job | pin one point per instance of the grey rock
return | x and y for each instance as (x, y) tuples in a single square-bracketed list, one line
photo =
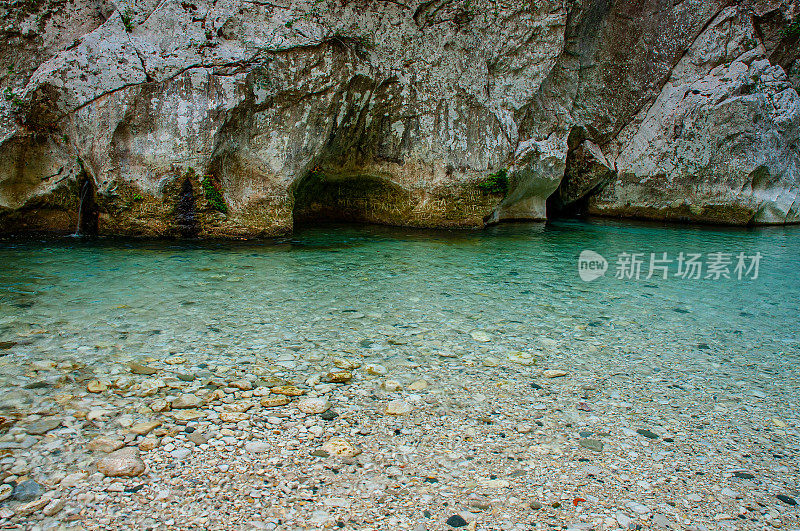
[(186, 401), (660, 521), (42, 426), (591, 444), (27, 491), (123, 462), (181, 453), (695, 154)]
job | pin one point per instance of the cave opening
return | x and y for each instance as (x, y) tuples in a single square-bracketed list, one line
[(556, 208), (88, 211), (351, 198), (586, 173)]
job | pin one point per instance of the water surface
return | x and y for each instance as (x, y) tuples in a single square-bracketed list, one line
[(399, 294)]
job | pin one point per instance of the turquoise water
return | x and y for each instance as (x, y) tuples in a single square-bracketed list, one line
[(400, 295)]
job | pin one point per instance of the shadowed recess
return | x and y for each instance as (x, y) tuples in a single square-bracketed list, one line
[(356, 198), (185, 210), (88, 212)]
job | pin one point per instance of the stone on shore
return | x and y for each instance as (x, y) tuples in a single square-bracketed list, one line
[(143, 428), (339, 447), (313, 406), (287, 390), (274, 401), (398, 407)]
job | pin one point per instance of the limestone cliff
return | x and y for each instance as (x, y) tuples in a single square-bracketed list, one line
[(243, 117)]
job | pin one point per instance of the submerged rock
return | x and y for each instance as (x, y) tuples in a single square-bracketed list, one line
[(346, 364), (124, 462), (42, 426), (313, 406), (339, 376), (27, 491), (375, 369), (480, 336), (138, 368), (105, 444), (591, 444), (646, 433), (456, 521), (96, 386)]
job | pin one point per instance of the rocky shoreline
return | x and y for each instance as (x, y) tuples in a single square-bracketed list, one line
[(474, 441)]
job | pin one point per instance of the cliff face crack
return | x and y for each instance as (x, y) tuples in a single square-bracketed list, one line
[(148, 77), (587, 172), (186, 211), (88, 212), (253, 61)]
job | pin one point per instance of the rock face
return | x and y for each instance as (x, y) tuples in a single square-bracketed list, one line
[(238, 117), (721, 143)]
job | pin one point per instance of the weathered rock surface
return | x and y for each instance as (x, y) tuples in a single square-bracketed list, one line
[(243, 118), (720, 143)]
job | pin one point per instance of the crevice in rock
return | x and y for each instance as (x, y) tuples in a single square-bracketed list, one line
[(186, 210), (774, 30), (587, 173), (88, 211)]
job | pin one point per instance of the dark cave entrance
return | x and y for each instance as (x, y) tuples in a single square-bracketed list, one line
[(186, 211), (88, 211), (586, 173), (322, 198), (556, 208)]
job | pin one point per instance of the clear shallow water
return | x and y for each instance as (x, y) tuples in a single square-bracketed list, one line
[(400, 295)]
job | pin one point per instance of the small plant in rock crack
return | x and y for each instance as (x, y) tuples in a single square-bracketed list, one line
[(359, 44), (213, 195), (127, 21), (12, 97), (495, 183)]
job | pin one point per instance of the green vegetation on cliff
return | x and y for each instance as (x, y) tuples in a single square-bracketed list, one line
[(213, 195), (495, 183)]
